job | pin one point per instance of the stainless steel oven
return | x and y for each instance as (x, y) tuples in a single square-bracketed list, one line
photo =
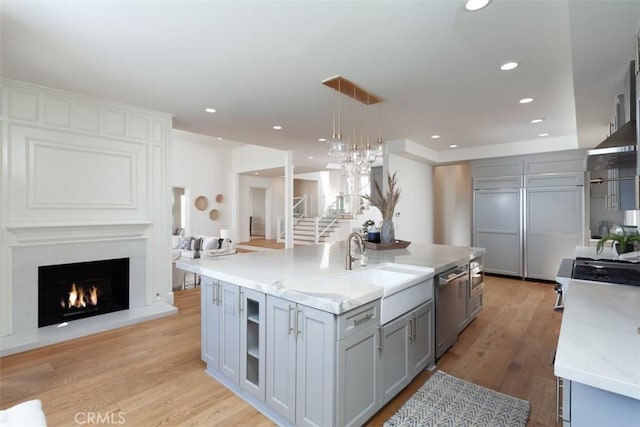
[(476, 276), (476, 286)]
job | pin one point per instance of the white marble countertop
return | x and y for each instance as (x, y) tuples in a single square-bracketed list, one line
[(309, 275), (599, 343)]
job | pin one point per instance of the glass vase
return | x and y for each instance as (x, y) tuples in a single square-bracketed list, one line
[(387, 232)]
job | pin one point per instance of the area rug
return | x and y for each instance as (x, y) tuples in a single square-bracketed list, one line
[(448, 401)]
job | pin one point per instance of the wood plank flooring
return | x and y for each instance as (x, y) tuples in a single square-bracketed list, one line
[(151, 374)]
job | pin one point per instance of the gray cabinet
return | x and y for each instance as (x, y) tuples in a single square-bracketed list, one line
[(300, 362), (406, 348), (585, 406), (220, 332), (210, 329), (252, 342), (357, 377), (394, 365), (421, 343), (281, 355), (307, 367)]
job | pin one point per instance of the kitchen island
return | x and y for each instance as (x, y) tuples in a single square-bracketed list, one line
[(598, 356), (301, 339)]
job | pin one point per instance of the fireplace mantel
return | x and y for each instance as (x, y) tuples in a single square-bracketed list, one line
[(86, 180), (61, 232)]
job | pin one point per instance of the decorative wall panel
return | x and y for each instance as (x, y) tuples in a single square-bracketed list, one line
[(81, 178), (87, 117), (55, 178), (114, 123), (57, 112), (22, 104), (139, 128)]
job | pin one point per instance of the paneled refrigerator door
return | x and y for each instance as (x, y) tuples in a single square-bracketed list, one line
[(498, 228), (554, 224)]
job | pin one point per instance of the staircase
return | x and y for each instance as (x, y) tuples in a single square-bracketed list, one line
[(304, 230)]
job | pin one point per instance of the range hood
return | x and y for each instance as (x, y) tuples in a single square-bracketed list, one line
[(618, 151)]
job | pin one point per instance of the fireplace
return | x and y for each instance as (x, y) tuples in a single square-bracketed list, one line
[(75, 291)]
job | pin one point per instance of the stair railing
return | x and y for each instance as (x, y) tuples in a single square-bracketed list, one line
[(328, 218), (299, 208)]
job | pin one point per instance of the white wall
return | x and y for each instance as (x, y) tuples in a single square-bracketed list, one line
[(453, 199), (414, 212), (200, 163)]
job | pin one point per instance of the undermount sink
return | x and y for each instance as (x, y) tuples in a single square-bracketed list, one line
[(405, 286)]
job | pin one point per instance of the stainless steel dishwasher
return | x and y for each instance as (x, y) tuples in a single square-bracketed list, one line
[(449, 299)]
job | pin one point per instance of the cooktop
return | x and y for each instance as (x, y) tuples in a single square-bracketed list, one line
[(610, 271)]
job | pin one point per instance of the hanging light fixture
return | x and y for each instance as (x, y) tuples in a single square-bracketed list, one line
[(335, 145), (355, 155)]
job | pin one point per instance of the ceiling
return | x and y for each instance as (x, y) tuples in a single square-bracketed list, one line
[(261, 63)]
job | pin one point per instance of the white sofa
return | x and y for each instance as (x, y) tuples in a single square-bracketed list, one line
[(204, 246)]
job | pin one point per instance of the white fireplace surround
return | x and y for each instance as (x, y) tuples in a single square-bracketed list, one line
[(26, 259), (82, 179)]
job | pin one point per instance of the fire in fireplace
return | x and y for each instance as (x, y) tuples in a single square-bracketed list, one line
[(74, 291)]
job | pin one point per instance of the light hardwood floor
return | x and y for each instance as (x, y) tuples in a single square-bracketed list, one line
[(151, 374)]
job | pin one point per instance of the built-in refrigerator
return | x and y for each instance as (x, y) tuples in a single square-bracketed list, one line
[(528, 224)]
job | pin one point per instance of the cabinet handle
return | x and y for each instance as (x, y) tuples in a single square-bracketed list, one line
[(410, 329), (213, 293), (363, 319), (381, 339), (415, 327), (298, 331), (559, 408), (216, 292), (241, 301), (290, 324)]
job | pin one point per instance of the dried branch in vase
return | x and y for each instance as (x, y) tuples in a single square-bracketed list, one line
[(386, 203)]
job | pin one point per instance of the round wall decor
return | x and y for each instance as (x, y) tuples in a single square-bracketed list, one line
[(219, 198), (201, 203), (214, 214)]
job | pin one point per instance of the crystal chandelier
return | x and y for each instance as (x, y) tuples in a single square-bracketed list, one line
[(355, 157)]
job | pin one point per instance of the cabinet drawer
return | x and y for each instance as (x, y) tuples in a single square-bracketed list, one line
[(358, 319)]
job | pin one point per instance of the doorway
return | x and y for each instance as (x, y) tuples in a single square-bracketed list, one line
[(258, 209), (180, 213)]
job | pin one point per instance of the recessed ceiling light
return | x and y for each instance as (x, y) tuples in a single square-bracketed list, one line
[(310, 157), (537, 120), (473, 5), (526, 100), (219, 138), (255, 173), (453, 146), (210, 110), (435, 136), (507, 66), (543, 134), (277, 127), (322, 139)]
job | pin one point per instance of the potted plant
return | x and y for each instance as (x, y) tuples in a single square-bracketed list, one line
[(624, 242)]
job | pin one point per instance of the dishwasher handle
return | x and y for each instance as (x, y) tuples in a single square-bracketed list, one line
[(445, 280)]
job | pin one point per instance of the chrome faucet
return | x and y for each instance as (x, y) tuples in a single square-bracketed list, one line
[(349, 258)]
